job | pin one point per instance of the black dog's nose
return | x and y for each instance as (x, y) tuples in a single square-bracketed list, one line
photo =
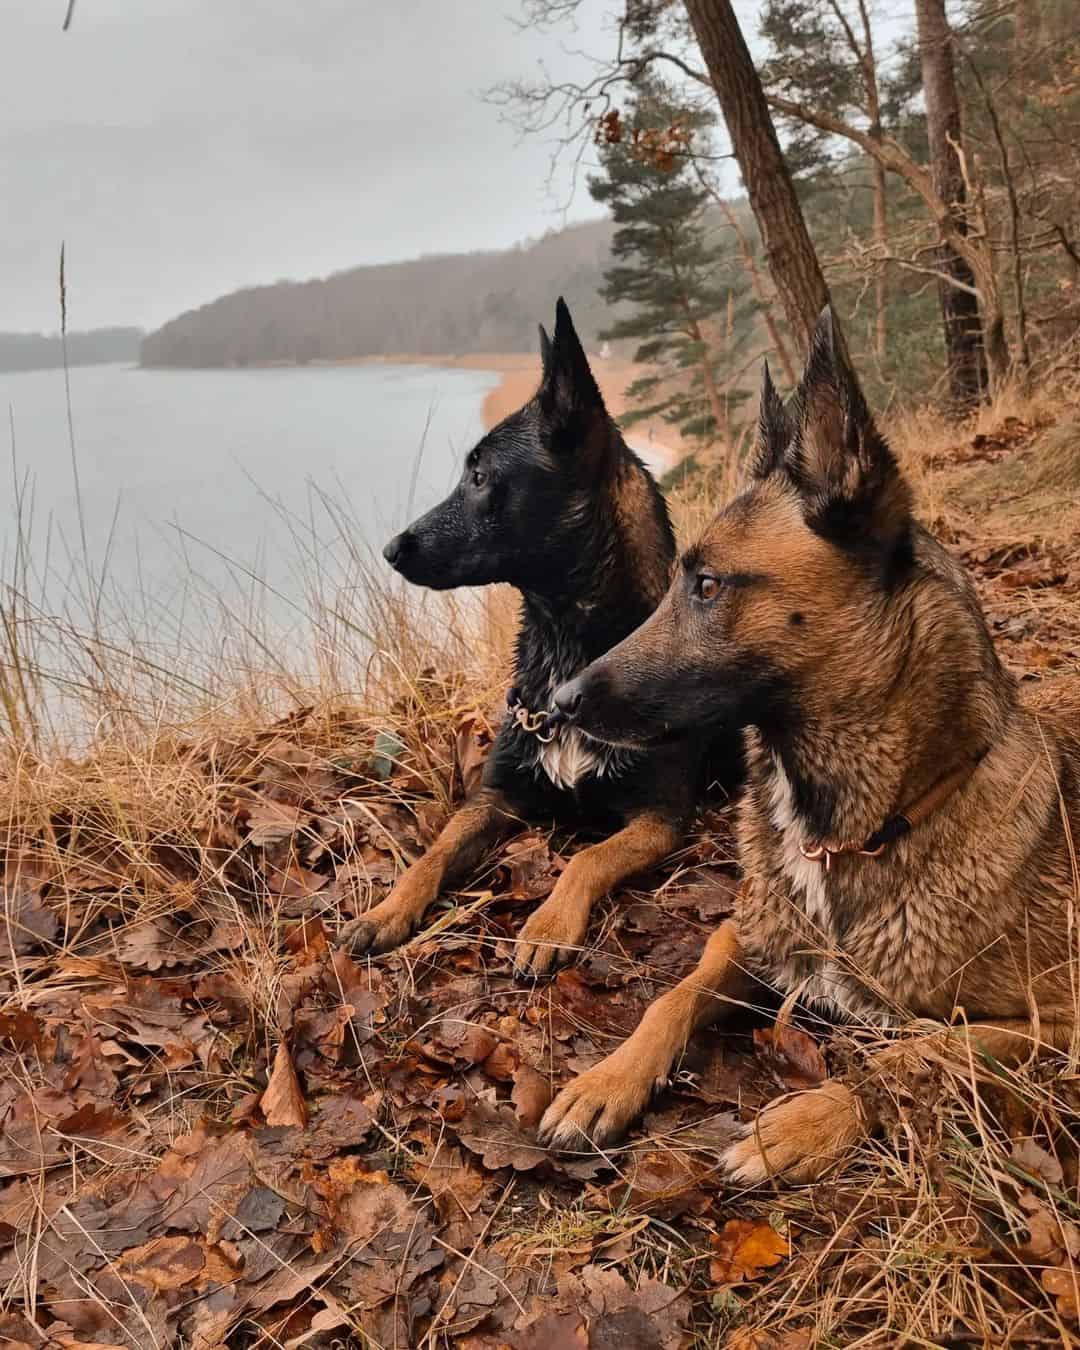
[(568, 698), (396, 549)]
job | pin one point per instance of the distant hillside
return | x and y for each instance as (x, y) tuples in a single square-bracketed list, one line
[(442, 305), (36, 351)]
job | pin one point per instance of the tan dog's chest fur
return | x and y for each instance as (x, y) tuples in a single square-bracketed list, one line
[(969, 910)]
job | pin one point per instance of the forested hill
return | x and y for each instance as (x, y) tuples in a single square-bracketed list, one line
[(448, 304), (38, 351)]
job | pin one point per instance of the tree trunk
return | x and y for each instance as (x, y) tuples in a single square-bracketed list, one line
[(881, 280), (868, 66), (717, 404), (964, 348), (758, 286), (992, 312), (793, 262)]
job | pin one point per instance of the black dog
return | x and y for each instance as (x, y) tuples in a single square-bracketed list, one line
[(553, 502)]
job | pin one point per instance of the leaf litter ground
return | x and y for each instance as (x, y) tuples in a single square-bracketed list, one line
[(220, 1129)]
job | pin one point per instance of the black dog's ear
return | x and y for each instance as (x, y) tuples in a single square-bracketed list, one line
[(775, 429), (848, 478), (569, 396), (545, 349)]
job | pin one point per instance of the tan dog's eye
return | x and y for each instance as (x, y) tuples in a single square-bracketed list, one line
[(708, 588)]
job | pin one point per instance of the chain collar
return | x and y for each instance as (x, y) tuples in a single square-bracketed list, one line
[(543, 725)]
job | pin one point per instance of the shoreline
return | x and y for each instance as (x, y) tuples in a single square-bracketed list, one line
[(653, 440)]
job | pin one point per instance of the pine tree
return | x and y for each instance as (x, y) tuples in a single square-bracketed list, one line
[(690, 308)]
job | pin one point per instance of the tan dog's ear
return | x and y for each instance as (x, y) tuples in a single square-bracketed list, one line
[(850, 484), (775, 429)]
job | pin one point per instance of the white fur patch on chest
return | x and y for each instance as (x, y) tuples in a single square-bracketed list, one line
[(570, 757), (829, 983), (807, 878)]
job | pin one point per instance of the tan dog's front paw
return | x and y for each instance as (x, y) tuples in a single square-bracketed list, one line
[(551, 937), (797, 1138), (600, 1105), (381, 929)]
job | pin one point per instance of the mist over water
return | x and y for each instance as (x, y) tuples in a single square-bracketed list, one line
[(203, 487)]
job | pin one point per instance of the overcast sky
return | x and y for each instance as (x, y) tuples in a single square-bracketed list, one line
[(186, 147), (183, 148)]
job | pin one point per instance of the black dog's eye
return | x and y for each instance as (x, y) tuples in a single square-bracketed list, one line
[(479, 478), (708, 587)]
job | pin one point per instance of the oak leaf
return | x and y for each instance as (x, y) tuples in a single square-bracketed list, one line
[(745, 1249)]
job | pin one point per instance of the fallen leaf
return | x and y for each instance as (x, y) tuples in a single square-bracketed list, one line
[(665, 1183), (744, 1249), (326, 1319), (203, 1178), (294, 882), (528, 868), (163, 1263), (652, 1316), (747, 1338), (1031, 1158), (531, 1095), (27, 923), (306, 940), (499, 1141), (472, 742), (1063, 1282), (392, 1242), (456, 1184), (459, 1044), (283, 1103), (293, 771), (1034, 574), (502, 1063), (22, 1029), (154, 943), (269, 822), (554, 1331), (337, 1122), (792, 1055), (324, 1032)]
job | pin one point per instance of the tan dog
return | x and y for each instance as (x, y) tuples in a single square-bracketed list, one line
[(908, 831)]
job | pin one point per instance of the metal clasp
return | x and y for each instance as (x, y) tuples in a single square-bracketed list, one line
[(535, 723), (822, 853)]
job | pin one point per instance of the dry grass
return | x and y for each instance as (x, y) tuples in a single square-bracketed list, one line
[(132, 782)]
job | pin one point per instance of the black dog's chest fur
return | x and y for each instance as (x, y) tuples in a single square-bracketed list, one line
[(591, 784), (569, 771), (570, 758)]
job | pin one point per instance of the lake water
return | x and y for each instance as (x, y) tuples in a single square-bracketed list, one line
[(194, 482)]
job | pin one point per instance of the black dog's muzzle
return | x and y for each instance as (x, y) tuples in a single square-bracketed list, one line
[(399, 548)]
